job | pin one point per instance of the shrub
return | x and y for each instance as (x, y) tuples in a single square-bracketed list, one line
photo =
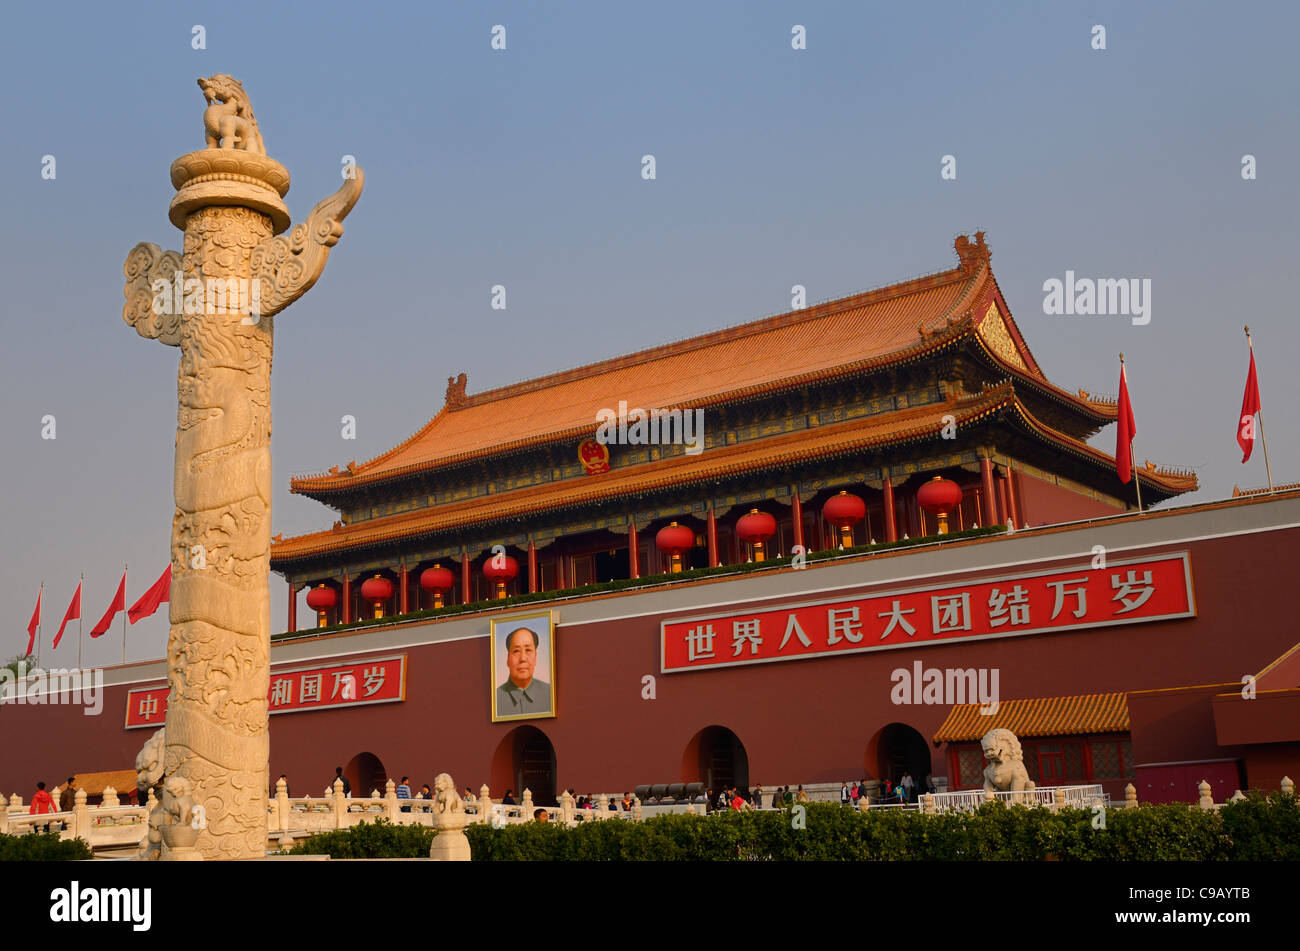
[(378, 840), (42, 847)]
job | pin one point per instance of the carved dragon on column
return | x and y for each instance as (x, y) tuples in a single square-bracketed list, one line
[(218, 650)]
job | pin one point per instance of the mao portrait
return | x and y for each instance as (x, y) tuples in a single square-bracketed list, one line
[(523, 666)]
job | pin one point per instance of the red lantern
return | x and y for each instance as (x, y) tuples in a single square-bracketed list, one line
[(756, 528), (501, 569), (844, 511), (320, 599), (377, 589), (672, 540), (939, 497), (437, 579)]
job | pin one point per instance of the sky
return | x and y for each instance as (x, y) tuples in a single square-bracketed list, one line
[(522, 167)]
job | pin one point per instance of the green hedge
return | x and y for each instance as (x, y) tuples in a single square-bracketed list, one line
[(1252, 830), (42, 847), (624, 583)]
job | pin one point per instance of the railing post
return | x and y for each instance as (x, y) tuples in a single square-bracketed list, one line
[(390, 799), (527, 805), (15, 802), (485, 803), (1130, 797), (282, 804), (929, 804), (81, 817), (1287, 786), (602, 806), (1058, 799), (988, 794), (566, 807), (340, 806), (636, 809), (4, 817), (110, 798), (1207, 800)]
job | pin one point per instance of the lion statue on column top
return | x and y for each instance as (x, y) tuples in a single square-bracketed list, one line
[(1006, 769)]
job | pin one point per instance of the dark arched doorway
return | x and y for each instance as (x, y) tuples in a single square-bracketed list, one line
[(716, 757), (525, 759), (899, 749), (366, 774)]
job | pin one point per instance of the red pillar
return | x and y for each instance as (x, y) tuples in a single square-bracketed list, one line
[(634, 567), (465, 595), (891, 528), (532, 566), (990, 500), (402, 596), (796, 515), (559, 572), (711, 534), (1004, 509), (1011, 497), (293, 607), (347, 599)]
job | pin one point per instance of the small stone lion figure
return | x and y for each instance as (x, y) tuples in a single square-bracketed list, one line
[(149, 774), (446, 801), (228, 122), (1006, 769)]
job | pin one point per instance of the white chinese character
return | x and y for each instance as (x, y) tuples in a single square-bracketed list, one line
[(950, 612), (843, 621), (311, 687), (896, 619), (1080, 593), (1143, 588), (699, 642), (742, 631), (282, 691), (148, 706), (349, 685), (374, 679), (1016, 601), (792, 627)]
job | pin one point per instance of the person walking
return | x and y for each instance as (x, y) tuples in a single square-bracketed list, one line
[(404, 792), (854, 793), (908, 785), (347, 786), (68, 799), (42, 803), (845, 797)]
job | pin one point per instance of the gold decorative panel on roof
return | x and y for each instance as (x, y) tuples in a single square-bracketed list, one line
[(993, 330)]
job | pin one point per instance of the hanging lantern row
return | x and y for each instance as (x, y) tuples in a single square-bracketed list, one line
[(501, 570), (437, 579), (844, 511)]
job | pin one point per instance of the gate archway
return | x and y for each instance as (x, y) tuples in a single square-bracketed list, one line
[(716, 757), (525, 759)]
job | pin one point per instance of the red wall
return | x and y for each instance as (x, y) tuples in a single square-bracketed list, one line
[(802, 721), (1042, 503)]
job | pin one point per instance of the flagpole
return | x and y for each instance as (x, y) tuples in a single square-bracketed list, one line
[(39, 597), (1260, 413), (1137, 483), (80, 612), (124, 567)]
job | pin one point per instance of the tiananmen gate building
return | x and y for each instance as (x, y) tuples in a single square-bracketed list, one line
[(888, 511)]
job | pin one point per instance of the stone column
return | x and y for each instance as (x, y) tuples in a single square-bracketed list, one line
[(215, 301)]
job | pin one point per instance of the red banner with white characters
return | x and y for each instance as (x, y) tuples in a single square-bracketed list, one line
[(375, 680), (1124, 592)]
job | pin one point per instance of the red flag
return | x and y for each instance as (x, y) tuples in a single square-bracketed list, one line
[(1127, 430), (119, 604), (149, 601), (33, 623), (74, 613), (1249, 407)]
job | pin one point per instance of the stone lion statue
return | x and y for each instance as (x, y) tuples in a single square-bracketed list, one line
[(228, 122), (1006, 769), (445, 798), (149, 775)]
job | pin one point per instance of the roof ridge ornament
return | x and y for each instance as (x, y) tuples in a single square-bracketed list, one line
[(972, 254), (456, 397)]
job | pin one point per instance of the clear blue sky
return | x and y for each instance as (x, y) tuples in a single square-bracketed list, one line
[(775, 167)]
